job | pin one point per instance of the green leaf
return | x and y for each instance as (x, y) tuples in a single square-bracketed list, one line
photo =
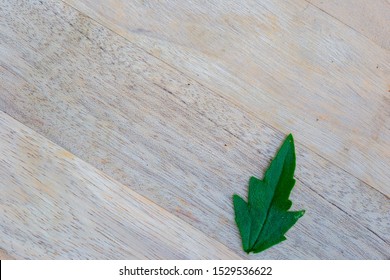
[(264, 219)]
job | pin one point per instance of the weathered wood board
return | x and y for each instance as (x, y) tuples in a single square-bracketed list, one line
[(184, 139), (287, 62), (56, 206)]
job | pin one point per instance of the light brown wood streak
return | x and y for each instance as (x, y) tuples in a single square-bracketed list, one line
[(4, 255), (55, 206), (286, 62), (168, 137)]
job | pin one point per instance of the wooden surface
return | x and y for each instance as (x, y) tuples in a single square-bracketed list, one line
[(60, 198), (127, 126), (287, 62), (369, 18), (4, 255)]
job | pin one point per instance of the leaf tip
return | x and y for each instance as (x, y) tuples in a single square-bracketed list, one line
[(300, 213)]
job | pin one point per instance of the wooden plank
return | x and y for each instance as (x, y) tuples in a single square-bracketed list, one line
[(55, 206), (286, 62), (182, 146), (370, 18)]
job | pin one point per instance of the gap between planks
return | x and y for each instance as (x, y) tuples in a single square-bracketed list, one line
[(52, 198), (345, 149), (369, 18), (245, 124)]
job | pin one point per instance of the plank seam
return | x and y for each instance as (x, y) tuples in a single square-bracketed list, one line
[(106, 176), (349, 26), (217, 93), (349, 215)]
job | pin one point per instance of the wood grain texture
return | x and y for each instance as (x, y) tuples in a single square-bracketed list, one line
[(55, 206), (370, 18), (286, 62), (168, 137), (4, 255)]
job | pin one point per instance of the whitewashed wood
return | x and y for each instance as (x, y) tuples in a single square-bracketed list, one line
[(55, 206), (286, 62), (4, 255), (371, 18), (180, 145)]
